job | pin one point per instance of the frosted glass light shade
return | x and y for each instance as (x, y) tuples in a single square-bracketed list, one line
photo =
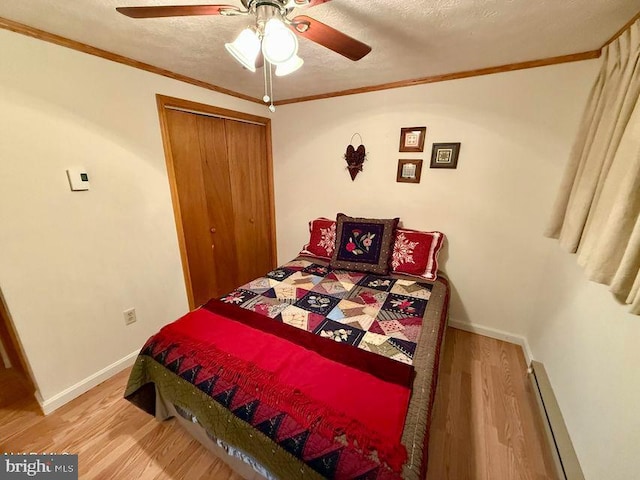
[(279, 44), (290, 66), (245, 48)]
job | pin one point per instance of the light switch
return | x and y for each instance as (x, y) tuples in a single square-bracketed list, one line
[(78, 179)]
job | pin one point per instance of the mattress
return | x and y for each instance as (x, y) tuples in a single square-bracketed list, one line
[(395, 320)]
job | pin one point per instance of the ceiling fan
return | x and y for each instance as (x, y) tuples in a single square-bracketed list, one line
[(271, 38)]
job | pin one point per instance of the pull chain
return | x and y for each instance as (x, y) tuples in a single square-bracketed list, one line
[(272, 108), (266, 97)]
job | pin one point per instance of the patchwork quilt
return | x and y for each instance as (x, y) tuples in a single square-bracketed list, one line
[(379, 314), (238, 369)]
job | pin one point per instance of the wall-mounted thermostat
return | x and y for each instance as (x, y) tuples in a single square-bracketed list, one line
[(78, 179)]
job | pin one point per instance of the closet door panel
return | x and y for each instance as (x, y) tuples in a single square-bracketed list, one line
[(217, 185), (248, 166), (187, 162), (261, 202)]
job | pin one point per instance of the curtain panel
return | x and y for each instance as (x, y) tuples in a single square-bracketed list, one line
[(597, 211)]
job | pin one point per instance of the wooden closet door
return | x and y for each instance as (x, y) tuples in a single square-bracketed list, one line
[(220, 175), (187, 164), (218, 193), (249, 174)]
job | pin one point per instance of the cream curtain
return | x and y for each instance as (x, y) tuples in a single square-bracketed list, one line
[(597, 212)]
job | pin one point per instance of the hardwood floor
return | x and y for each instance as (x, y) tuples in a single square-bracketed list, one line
[(484, 426)]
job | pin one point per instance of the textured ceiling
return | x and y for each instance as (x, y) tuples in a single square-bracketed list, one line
[(410, 38)]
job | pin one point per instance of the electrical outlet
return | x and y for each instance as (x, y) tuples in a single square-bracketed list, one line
[(130, 316)]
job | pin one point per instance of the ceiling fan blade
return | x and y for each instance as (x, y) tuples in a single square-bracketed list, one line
[(309, 3), (178, 11), (329, 37)]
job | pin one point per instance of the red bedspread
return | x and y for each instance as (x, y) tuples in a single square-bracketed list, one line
[(379, 366), (325, 396)]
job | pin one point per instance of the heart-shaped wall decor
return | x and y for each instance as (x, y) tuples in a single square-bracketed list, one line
[(355, 159)]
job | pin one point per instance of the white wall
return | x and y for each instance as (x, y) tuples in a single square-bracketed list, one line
[(589, 345), (70, 263), (516, 131)]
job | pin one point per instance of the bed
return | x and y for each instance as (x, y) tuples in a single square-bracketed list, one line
[(307, 372)]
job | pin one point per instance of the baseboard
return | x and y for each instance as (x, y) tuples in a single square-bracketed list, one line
[(497, 334), (561, 447), (50, 404)]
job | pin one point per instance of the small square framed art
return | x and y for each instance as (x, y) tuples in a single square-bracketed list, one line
[(412, 139), (445, 155), (409, 171)]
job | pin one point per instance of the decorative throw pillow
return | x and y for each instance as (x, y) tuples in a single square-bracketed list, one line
[(322, 242), (363, 244), (416, 253)]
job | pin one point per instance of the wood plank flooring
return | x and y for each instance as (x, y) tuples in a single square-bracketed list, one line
[(485, 425)]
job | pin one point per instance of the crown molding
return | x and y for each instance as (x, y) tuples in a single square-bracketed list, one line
[(449, 76), (622, 30), (16, 27)]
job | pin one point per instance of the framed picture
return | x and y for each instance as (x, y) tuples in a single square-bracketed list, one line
[(409, 171), (412, 139), (445, 155)]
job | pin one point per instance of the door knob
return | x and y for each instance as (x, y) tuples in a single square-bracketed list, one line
[(251, 220), (212, 230)]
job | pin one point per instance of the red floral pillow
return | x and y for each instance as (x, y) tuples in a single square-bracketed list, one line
[(323, 239), (416, 253)]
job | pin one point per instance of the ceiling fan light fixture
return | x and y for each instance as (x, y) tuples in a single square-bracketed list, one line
[(290, 66), (279, 44), (245, 48), (274, 32)]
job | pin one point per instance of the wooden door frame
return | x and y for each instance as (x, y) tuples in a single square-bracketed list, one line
[(13, 347), (165, 102)]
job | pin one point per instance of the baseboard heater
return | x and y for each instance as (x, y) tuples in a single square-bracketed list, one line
[(564, 455)]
